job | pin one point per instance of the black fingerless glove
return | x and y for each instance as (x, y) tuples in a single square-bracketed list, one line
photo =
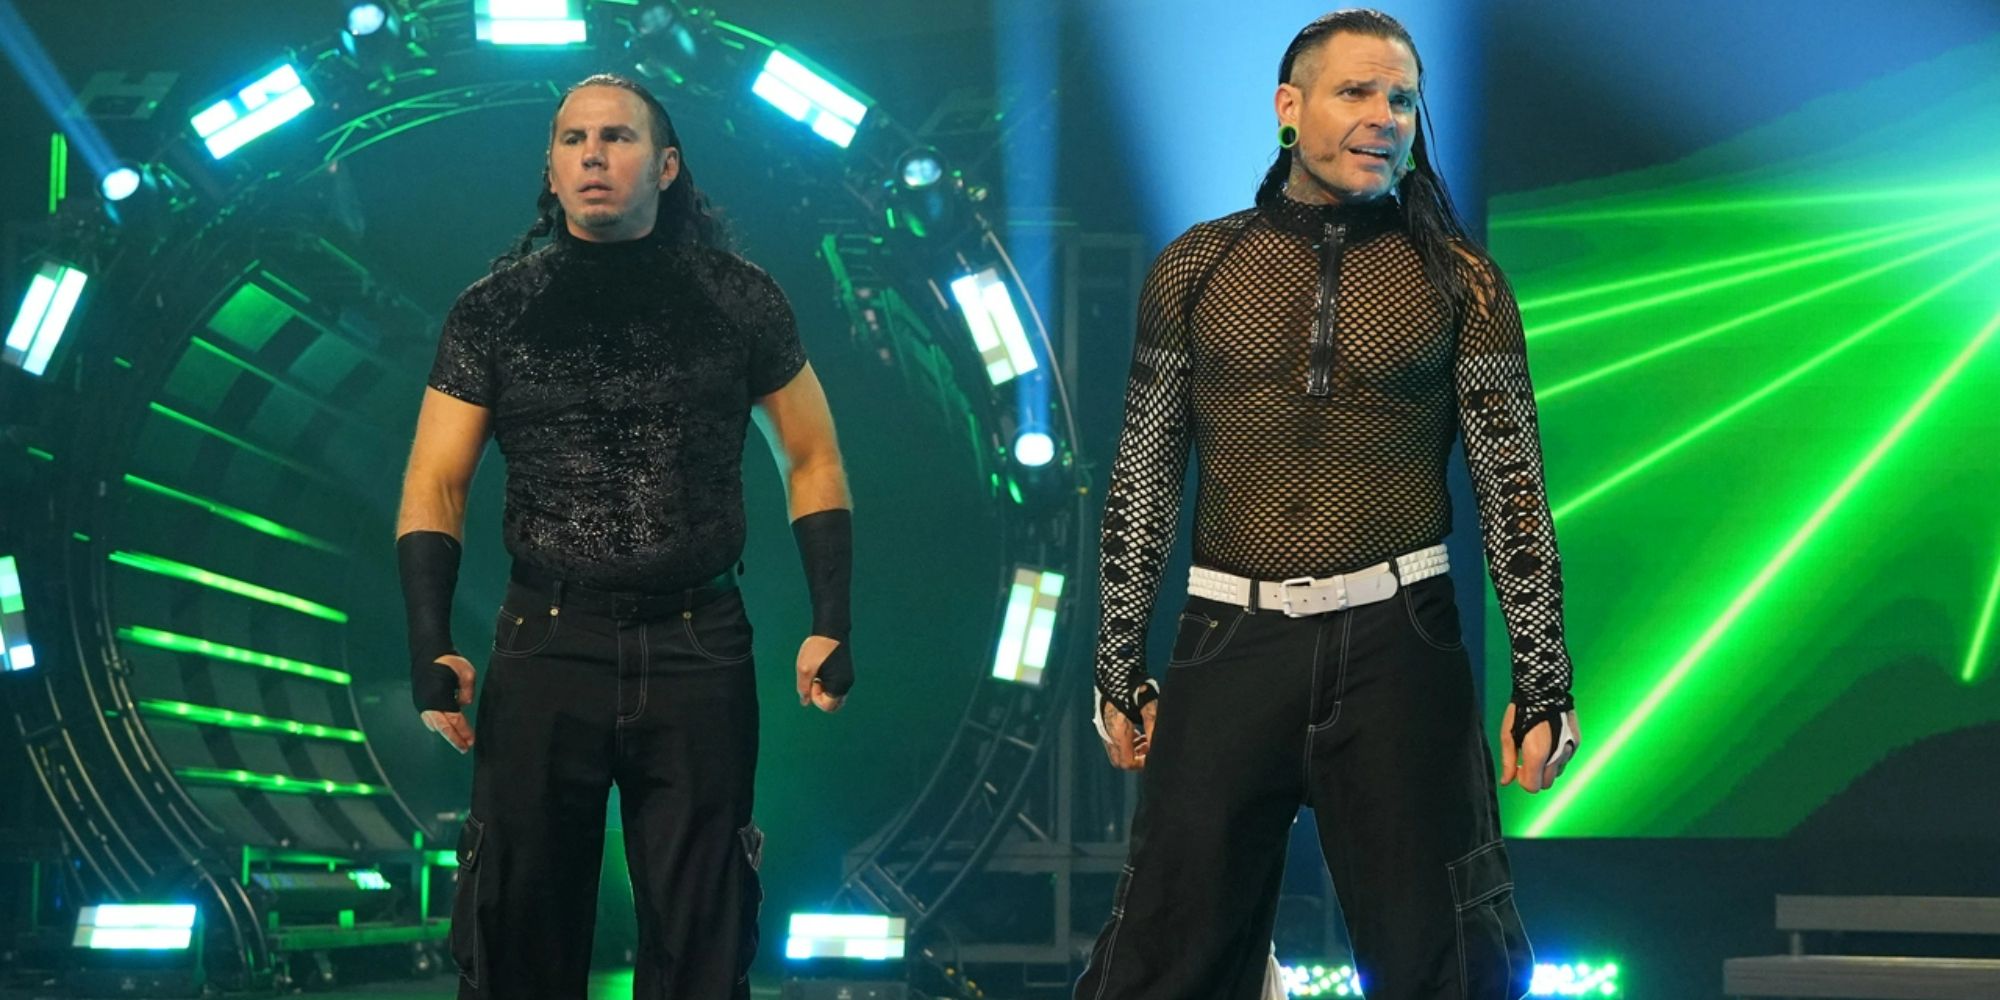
[(428, 563), (826, 546)]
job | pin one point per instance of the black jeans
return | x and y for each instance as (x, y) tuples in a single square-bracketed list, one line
[(572, 702), (1366, 715)]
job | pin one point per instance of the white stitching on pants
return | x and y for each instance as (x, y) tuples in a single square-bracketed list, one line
[(1117, 925), (645, 667)]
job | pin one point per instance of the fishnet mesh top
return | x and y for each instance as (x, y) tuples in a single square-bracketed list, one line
[(621, 376), (1320, 453)]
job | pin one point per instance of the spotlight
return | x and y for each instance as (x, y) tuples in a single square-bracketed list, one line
[(920, 168), (16, 652), (1034, 449), (137, 950), (271, 100), (364, 19), (119, 184), (44, 313), (809, 94), (845, 935), (529, 22), (1029, 627), (995, 325)]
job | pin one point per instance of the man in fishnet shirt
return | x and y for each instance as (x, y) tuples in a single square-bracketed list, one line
[(1319, 353)]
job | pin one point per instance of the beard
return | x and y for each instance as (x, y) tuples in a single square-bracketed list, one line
[(598, 217)]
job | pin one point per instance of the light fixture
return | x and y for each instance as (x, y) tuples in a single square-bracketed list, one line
[(530, 22), (845, 935), (274, 98), (996, 327), (1028, 628), (44, 314), (811, 95)]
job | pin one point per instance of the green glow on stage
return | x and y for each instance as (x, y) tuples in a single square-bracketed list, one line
[(227, 719), (1594, 763), (1975, 655), (279, 783), (1736, 322), (255, 522), (1573, 504), (1902, 234), (174, 642), (194, 574)]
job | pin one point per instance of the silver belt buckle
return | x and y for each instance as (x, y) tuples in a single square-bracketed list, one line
[(1285, 588)]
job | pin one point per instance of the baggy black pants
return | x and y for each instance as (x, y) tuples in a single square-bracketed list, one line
[(1366, 715), (572, 702)]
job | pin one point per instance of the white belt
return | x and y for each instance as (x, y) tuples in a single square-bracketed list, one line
[(1305, 595)]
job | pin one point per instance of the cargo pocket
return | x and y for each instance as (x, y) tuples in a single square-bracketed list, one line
[(465, 943), (751, 898), (1494, 957)]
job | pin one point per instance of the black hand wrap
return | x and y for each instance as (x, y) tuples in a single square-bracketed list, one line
[(1531, 712), (428, 562), (826, 546)]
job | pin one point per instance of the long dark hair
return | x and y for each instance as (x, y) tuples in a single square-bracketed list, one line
[(1434, 226), (685, 215)]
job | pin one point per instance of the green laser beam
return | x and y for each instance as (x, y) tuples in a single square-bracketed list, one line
[(208, 715), (1682, 207), (255, 449), (276, 782), (1693, 433), (254, 522), (177, 643), (1708, 264), (1666, 686), (175, 570), (1631, 361), (1982, 631), (1731, 281)]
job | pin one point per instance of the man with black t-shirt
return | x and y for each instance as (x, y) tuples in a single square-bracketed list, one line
[(618, 367), (1318, 353)]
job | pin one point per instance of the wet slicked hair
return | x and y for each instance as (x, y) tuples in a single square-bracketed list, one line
[(1434, 226)]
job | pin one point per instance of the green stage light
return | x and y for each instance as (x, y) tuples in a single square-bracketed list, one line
[(1706, 264), (1975, 655), (16, 652), (44, 314), (258, 450), (230, 585), (276, 783), (176, 643), (1570, 385), (262, 525), (845, 935), (1029, 627), (369, 880), (996, 326), (1594, 763), (273, 99), (1576, 979), (134, 927), (227, 719), (811, 95), (1581, 500), (1971, 193), (1901, 235), (1319, 980), (530, 22)]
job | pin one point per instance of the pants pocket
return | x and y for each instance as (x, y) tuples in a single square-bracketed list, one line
[(750, 899), (1495, 960), (465, 937)]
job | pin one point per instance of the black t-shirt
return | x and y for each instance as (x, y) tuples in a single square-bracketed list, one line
[(620, 376), (1317, 459)]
